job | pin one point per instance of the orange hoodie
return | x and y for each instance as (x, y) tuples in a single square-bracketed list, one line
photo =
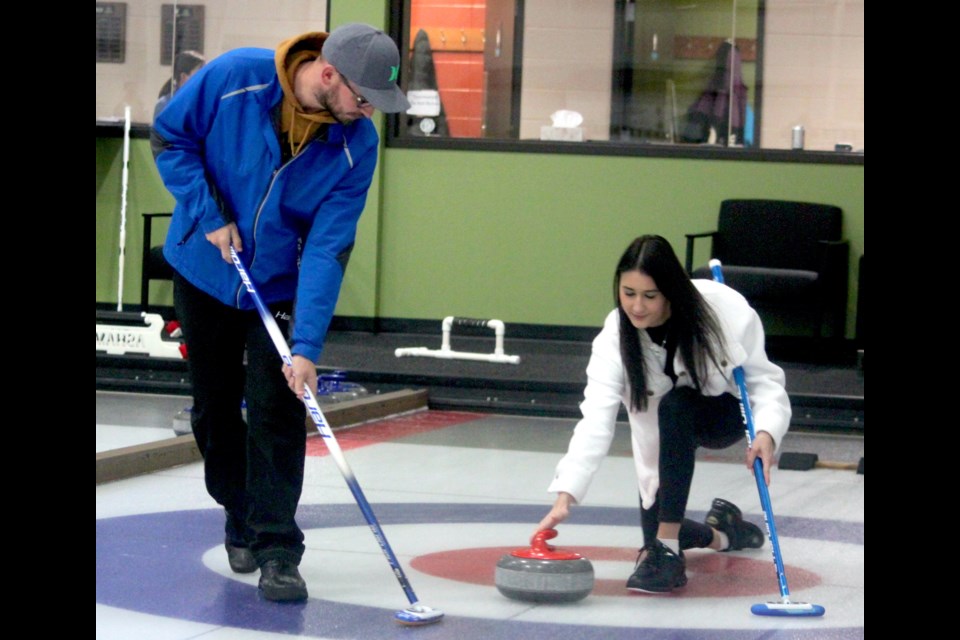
[(297, 126)]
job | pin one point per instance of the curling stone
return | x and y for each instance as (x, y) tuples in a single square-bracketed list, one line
[(544, 573)]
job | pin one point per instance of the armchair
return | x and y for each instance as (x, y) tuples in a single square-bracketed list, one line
[(783, 256), (153, 265)]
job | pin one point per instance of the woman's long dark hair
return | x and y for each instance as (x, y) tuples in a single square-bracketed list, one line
[(693, 324)]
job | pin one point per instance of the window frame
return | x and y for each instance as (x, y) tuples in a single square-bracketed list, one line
[(398, 26)]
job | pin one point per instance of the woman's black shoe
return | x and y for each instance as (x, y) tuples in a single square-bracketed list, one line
[(726, 517)]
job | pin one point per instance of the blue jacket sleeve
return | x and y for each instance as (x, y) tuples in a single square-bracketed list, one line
[(326, 251), (177, 141)]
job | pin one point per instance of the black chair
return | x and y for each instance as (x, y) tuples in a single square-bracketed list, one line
[(783, 256), (154, 265), (858, 333)]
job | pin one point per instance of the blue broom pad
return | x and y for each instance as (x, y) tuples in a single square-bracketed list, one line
[(796, 609)]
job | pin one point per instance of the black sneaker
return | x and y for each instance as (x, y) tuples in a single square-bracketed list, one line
[(280, 581), (240, 558), (659, 570), (726, 517)]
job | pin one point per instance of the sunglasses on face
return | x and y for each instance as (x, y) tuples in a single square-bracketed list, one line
[(361, 101)]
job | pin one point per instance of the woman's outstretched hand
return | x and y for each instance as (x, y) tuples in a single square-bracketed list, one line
[(559, 512)]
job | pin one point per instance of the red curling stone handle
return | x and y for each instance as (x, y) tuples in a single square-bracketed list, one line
[(540, 550)]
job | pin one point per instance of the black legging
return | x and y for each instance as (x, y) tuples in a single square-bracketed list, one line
[(688, 420)]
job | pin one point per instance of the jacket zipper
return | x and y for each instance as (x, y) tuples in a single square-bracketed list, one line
[(256, 218), (273, 181)]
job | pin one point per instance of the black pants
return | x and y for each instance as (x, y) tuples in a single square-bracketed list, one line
[(688, 420), (253, 468)]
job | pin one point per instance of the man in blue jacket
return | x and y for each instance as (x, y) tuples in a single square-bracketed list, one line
[(271, 153)]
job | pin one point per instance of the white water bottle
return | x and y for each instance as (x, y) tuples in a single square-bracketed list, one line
[(796, 139)]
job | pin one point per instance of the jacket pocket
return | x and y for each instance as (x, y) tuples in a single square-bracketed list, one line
[(186, 236), (719, 380)]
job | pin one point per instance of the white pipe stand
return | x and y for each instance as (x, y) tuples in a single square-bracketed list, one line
[(446, 352)]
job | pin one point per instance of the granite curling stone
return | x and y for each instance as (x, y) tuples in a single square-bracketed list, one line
[(544, 573)]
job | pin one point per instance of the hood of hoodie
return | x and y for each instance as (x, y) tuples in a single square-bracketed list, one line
[(297, 127)]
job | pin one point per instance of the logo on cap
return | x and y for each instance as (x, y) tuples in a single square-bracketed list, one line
[(394, 72)]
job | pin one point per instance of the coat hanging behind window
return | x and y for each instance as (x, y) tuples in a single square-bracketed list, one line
[(721, 108)]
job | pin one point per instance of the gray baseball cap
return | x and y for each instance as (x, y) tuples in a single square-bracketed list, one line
[(370, 60)]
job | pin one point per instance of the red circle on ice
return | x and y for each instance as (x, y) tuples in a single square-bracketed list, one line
[(712, 574)]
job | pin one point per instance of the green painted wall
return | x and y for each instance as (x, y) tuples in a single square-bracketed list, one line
[(360, 291), (145, 194), (535, 238), (524, 238)]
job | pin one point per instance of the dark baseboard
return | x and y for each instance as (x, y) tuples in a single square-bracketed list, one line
[(824, 351), (787, 348), (836, 351), (165, 312), (435, 327)]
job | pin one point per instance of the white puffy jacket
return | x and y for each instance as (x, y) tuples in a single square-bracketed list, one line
[(607, 388)]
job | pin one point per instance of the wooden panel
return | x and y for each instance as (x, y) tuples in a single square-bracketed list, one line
[(459, 70), (705, 47), (462, 104), (452, 39), (136, 460), (446, 14), (127, 462), (464, 127), (373, 407), (456, 32)]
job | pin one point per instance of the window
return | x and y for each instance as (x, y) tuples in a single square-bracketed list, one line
[(137, 41), (184, 34), (651, 74)]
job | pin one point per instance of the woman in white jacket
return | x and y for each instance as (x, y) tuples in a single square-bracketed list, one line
[(667, 353)]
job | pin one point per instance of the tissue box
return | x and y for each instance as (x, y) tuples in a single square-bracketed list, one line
[(566, 134)]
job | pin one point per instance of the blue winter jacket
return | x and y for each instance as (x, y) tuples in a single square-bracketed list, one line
[(217, 150)]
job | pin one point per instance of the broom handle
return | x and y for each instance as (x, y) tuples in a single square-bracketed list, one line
[(768, 518)]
